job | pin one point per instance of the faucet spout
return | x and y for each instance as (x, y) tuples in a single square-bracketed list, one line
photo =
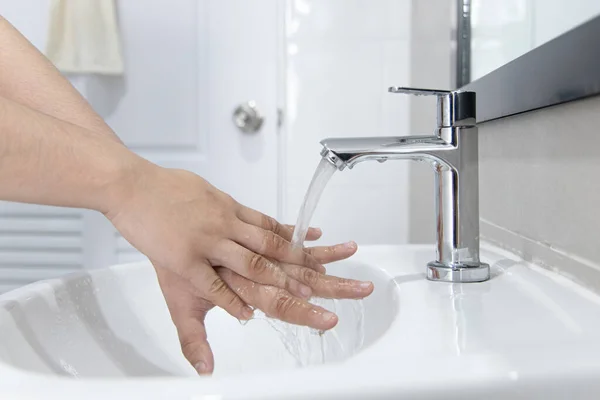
[(347, 152), (453, 152)]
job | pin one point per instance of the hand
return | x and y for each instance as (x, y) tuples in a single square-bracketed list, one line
[(186, 226), (189, 311)]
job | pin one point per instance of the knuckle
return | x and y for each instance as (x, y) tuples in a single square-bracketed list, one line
[(344, 282), (189, 346), (308, 259), (310, 276), (279, 244), (217, 287), (223, 205), (233, 301), (264, 246), (280, 278), (273, 243), (231, 204), (257, 264), (227, 216), (313, 261), (277, 228), (283, 304), (229, 199), (270, 223)]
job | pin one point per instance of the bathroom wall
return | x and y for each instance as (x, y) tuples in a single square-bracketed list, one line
[(539, 187), (341, 58), (431, 60), (538, 170)]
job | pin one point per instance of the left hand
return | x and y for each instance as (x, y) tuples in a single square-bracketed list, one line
[(189, 311)]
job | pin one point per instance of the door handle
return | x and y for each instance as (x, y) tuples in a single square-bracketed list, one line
[(247, 118)]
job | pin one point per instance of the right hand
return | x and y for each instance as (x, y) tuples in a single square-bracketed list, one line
[(189, 311), (186, 226)]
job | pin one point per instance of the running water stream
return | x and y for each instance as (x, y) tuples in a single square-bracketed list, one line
[(309, 346), (323, 174)]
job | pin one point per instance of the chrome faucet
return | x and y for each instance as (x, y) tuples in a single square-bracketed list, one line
[(453, 152)]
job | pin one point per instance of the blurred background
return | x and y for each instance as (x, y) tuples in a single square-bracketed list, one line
[(312, 69)]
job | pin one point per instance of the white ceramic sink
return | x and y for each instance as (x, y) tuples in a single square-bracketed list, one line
[(526, 333)]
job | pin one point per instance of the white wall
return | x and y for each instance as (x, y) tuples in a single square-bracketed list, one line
[(341, 58), (431, 58), (504, 30)]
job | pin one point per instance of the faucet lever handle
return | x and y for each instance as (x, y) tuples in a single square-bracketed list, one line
[(418, 92), (454, 108)]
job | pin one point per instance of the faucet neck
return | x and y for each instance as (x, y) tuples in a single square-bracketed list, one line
[(456, 109)]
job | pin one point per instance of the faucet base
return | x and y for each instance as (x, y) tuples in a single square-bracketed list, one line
[(458, 273)]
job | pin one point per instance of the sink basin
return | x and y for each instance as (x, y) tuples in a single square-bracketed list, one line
[(525, 333), (115, 323)]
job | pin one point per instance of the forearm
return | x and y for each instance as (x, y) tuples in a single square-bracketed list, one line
[(45, 160), (29, 78)]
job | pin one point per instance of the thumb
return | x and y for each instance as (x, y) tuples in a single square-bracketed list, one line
[(194, 344), (188, 313)]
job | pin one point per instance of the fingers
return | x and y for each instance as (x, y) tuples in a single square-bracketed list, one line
[(194, 344), (329, 286), (311, 234), (188, 313), (257, 268), (328, 254), (265, 222), (273, 246), (279, 303), (211, 287), (261, 220)]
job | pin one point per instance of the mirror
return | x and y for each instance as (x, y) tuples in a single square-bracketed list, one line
[(504, 30)]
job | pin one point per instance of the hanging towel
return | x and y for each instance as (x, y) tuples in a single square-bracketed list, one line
[(83, 37)]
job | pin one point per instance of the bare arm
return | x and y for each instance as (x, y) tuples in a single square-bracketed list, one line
[(45, 160), (29, 78)]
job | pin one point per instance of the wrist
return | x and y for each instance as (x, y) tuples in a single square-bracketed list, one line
[(124, 181)]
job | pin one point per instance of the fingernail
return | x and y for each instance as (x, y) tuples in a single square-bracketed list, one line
[(201, 367), (327, 316), (365, 285), (305, 291), (350, 245), (247, 312)]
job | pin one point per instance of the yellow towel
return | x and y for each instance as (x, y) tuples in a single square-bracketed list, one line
[(83, 37)]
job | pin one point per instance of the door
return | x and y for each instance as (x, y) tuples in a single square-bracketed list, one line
[(189, 64)]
